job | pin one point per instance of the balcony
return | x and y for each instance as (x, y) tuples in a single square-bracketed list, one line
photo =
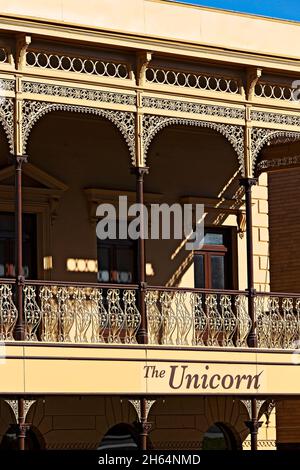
[(108, 314)]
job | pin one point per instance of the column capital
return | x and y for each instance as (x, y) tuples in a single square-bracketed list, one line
[(140, 170), (253, 425), (248, 182), (145, 427), (18, 160)]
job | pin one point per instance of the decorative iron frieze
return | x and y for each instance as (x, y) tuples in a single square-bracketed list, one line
[(193, 107), (274, 91), (265, 165), (124, 120), (7, 85), (7, 120), (247, 405), (13, 404), (276, 118), (193, 80), (137, 406), (262, 136), (152, 124), (77, 64), (87, 94)]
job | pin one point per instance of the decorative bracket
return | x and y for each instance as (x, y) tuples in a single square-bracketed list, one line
[(241, 223), (137, 406), (253, 75), (14, 407), (270, 405), (22, 43), (143, 60)]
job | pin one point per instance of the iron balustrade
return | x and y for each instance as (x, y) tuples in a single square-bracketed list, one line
[(57, 311), (197, 317)]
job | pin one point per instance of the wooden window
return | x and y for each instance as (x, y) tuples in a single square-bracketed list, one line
[(8, 245), (214, 263), (117, 261)]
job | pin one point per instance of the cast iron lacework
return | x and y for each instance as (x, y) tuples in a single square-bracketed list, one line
[(78, 93), (278, 162), (34, 110), (264, 407), (8, 313), (188, 318), (193, 107), (3, 55), (137, 406), (261, 137), (274, 91), (14, 407), (7, 120), (276, 118), (194, 80), (86, 65), (80, 315), (234, 134), (278, 322), (7, 85)]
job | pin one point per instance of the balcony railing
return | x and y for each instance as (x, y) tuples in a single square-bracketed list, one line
[(197, 317), (108, 314)]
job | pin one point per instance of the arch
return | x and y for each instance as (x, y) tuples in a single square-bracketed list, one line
[(221, 436), (262, 137), (123, 120), (7, 120), (233, 133), (120, 436), (33, 440)]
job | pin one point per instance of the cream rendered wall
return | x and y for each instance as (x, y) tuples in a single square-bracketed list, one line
[(261, 235), (260, 243), (168, 20)]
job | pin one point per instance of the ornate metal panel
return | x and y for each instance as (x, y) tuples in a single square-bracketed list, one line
[(71, 63), (194, 80), (234, 134), (262, 136), (34, 110), (284, 162), (87, 94), (7, 119), (274, 91), (137, 406), (247, 405), (275, 118), (7, 84), (8, 313), (14, 407), (80, 314), (193, 107)]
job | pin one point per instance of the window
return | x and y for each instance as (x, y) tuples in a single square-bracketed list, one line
[(8, 242), (214, 262), (117, 261)]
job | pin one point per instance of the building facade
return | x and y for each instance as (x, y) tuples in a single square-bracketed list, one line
[(142, 343)]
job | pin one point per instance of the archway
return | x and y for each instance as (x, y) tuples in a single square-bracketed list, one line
[(89, 155), (189, 164), (220, 436), (121, 436), (33, 439)]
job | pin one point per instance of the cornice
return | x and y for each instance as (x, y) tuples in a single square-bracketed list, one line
[(114, 38)]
